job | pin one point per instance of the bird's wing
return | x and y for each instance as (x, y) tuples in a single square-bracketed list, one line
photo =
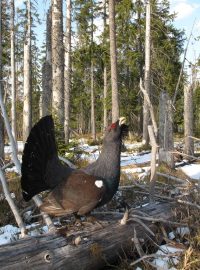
[(79, 194)]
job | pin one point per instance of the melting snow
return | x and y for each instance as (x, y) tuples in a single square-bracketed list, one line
[(192, 170), (163, 263)]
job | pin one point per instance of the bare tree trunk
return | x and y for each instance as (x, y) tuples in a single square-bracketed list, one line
[(105, 119), (113, 60), (58, 63), (1, 89), (166, 142), (93, 128), (105, 87), (188, 120), (147, 73), (13, 77), (67, 70), (140, 50), (27, 109), (46, 102)]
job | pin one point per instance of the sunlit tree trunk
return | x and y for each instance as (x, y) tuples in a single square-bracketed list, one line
[(58, 64), (105, 87), (46, 102), (13, 77), (1, 89), (188, 120), (93, 128), (113, 60), (146, 114), (67, 70), (27, 109)]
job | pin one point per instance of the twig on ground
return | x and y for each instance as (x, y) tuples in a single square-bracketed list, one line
[(175, 254), (155, 220), (137, 244)]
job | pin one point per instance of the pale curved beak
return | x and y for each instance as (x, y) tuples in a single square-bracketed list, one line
[(122, 120)]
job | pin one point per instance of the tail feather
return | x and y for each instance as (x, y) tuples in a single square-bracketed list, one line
[(41, 168)]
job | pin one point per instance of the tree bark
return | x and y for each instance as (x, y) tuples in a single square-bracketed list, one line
[(27, 109), (97, 248), (13, 77), (113, 61), (105, 90), (105, 118), (146, 116), (188, 120), (166, 141), (67, 70), (46, 102), (1, 89), (93, 127), (58, 64)]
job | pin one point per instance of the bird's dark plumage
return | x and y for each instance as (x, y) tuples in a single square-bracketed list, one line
[(72, 191)]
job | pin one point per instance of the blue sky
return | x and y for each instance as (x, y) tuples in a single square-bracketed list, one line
[(188, 13)]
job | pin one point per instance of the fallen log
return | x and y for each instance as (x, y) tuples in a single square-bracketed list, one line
[(83, 250)]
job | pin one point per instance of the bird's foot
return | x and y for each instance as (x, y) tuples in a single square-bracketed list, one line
[(91, 220)]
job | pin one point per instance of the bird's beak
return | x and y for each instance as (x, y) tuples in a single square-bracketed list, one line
[(122, 120)]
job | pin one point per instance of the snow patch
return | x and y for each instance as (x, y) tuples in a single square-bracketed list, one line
[(192, 170), (163, 263)]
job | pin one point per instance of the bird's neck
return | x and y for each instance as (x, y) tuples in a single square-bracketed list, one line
[(107, 165)]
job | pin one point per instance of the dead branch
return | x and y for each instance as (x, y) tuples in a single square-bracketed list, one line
[(195, 138), (15, 159), (175, 254), (69, 163), (146, 96), (153, 161), (183, 154), (12, 204), (182, 181)]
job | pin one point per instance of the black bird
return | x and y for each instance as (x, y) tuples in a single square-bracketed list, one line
[(72, 190)]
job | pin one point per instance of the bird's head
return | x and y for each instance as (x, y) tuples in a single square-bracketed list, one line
[(117, 130)]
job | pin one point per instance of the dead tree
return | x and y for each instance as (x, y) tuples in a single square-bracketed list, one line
[(46, 97), (113, 61), (93, 248), (147, 79), (188, 120), (166, 141)]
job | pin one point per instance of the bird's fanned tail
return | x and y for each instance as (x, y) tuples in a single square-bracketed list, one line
[(41, 168)]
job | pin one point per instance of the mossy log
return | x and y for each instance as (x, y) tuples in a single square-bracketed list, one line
[(96, 248)]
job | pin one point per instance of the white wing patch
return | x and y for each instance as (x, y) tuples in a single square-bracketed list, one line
[(98, 183)]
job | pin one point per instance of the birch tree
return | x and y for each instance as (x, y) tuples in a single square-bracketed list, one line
[(67, 70), (13, 77), (113, 61), (146, 115), (46, 97), (58, 63), (27, 109)]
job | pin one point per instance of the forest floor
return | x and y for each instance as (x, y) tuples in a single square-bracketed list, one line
[(135, 171)]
